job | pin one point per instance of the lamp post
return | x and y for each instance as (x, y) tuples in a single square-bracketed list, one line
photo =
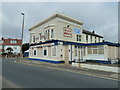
[(22, 33)]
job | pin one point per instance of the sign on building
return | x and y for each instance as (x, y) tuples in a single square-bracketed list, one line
[(67, 32), (77, 30)]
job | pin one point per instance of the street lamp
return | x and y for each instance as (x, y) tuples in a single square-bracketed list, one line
[(22, 33)]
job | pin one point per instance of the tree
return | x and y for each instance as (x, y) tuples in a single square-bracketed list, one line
[(25, 47), (9, 49)]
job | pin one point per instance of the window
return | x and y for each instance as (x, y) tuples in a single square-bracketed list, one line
[(15, 47), (86, 38), (52, 33), (13, 41), (78, 37), (34, 52), (33, 38), (91, 38), (101, 49), (95, 39), (89, 50), (30, 39), (95, 51), (48, 34), (75, 50), (45, 52), (40, 36), (92, 50), (99, 39), (54, 51), (1, 42)]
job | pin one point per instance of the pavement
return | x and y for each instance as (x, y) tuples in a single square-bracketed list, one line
[(68, 67)]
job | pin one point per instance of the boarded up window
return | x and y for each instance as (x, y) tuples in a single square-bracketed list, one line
[(54, 51), (100, 49)]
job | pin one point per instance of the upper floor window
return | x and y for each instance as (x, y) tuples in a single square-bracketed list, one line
[(91, 38), (1, 42), (48, 34), (95, 40), (40, 36), (99, 39), (86, 38), (33, 38), (52, 33), (78, 37), (30, 39), (13, 41)]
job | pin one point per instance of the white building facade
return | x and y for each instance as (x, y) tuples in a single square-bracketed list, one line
[(60, 38)]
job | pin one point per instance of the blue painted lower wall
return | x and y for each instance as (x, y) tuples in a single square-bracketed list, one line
[(44, 60)]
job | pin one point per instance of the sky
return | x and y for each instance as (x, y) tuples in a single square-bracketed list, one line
[(102, 17)]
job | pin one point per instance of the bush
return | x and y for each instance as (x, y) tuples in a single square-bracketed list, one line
[(4, 54)]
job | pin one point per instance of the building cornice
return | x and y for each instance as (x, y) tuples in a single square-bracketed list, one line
[(56, 15)]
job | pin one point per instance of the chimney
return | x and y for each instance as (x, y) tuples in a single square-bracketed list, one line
[(2, 38), (93, 31)]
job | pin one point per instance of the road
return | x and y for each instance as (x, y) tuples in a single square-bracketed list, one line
[(27, 76)]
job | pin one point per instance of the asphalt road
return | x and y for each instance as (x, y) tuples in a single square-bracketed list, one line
[(27, 76)]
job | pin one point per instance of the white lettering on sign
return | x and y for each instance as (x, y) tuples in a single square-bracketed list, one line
[(67, 32)]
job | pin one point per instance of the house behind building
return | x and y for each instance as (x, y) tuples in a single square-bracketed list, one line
[(15, 44)]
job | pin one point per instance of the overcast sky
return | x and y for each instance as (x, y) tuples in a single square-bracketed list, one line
[(99, 16)]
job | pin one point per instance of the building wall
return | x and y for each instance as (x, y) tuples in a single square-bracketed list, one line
[(112, 52), (15, 44), (42, 29), (49, 56), (61, 24), (16, 48)]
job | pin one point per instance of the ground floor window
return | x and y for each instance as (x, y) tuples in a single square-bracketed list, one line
[(89, 50), (34, 52), (101, 49), (76, 51), (96, 49), (45, 51), (54, 51)]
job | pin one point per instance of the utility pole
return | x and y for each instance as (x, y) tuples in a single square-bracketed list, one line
[(22, 33)]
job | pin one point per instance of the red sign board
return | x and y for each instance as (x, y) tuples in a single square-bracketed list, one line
[(67, 32)]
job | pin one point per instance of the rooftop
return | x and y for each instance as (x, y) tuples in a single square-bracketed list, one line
[(91, 33), (57, 15)]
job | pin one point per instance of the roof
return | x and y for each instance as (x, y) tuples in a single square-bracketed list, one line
[(57, 15), (91, 33)]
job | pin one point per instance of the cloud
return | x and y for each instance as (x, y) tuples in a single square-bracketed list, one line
[(98, 16)]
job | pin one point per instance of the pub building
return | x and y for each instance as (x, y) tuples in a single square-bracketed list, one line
[(62, 39)]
